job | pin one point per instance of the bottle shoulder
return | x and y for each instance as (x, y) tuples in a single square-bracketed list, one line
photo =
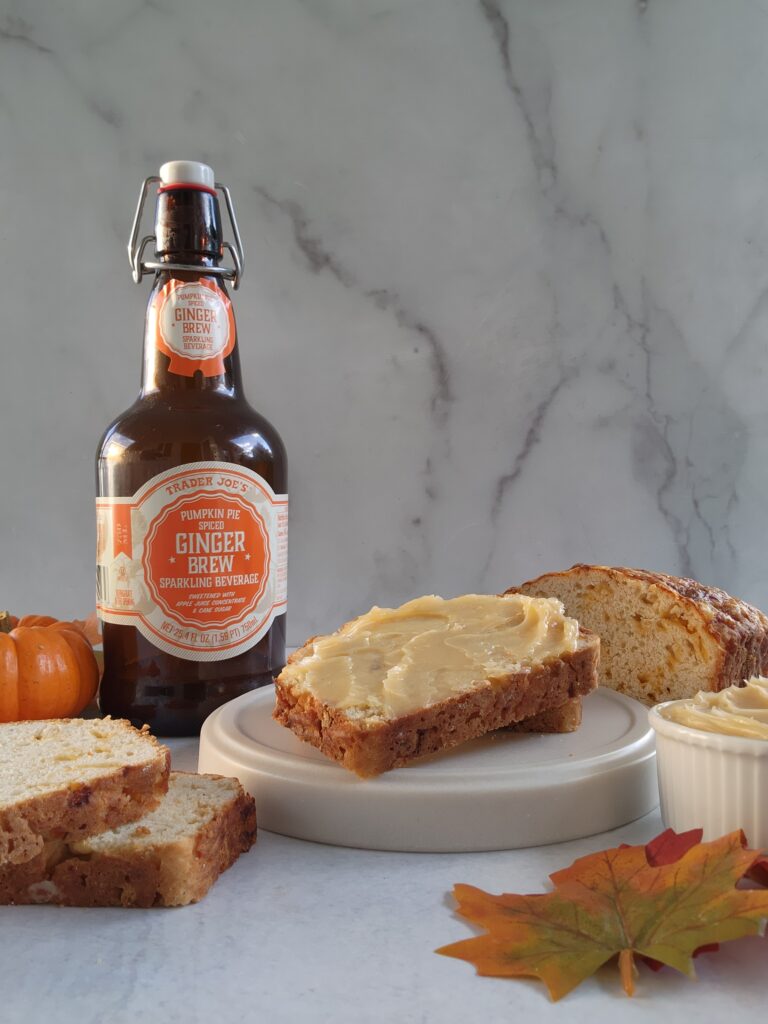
[(161, 433), (151, 417)]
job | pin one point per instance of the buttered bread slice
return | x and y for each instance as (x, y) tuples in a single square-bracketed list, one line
[(399, 683)]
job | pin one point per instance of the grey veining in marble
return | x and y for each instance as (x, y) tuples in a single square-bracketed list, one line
[(507, 289)]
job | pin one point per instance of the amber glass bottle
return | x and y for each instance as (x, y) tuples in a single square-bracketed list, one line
[(192, 506)]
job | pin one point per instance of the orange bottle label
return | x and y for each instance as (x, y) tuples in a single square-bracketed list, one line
[(193, 324), (196, 560)]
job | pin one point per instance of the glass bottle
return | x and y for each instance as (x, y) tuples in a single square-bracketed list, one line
[(192, 506)]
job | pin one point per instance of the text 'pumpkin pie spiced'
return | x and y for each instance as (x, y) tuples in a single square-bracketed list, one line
[(399, 683)]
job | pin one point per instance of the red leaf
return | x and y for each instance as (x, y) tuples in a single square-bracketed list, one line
[(759, 872), (670, 846)]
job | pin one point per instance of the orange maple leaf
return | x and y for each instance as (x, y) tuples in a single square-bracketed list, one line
[(614, 902)]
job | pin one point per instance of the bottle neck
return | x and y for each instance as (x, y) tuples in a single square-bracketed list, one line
[(190, 338)]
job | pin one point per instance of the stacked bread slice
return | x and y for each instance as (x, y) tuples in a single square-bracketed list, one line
[(91, 815)]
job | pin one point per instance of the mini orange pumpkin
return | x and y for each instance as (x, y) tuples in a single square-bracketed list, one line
[(47, 668)]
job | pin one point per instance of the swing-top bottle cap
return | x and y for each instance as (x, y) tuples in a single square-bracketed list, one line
[(186, 172)]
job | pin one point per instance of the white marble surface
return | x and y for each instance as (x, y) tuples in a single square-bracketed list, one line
[(506, 290), (298, 933)]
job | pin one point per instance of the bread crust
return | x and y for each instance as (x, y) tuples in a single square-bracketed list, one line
[(738, 631), (76, 811), (216, 847), (368, 749), (162, 875)]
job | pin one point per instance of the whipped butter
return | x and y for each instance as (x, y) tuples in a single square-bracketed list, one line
[(392, 661), (735, 711)]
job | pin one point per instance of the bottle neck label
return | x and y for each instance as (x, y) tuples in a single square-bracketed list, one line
[(192, 323), (196, 560)]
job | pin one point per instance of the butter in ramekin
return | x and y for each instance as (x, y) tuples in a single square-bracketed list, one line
[(735, 711)]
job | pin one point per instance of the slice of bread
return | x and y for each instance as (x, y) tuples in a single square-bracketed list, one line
[(397, 684), (662, 637), (169, 858), (70, 778), (566, 718)]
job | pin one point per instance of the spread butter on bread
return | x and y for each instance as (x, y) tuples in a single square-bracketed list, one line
[(400, 683)]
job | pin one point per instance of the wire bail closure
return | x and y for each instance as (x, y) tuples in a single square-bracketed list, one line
[(140, 267)]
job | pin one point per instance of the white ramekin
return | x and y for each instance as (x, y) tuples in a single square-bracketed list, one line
[(711, 781)]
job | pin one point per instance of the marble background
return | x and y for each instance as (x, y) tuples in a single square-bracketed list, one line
[(507, 285)]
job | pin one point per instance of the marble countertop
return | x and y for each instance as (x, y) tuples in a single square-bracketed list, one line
[(298, 932)]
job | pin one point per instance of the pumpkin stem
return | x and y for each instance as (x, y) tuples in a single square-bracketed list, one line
[(5, 622)]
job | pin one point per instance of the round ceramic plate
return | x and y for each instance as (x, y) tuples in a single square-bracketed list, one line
[(503, 791)]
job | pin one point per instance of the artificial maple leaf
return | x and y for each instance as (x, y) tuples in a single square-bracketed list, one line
[(667, 848), (90, 628), (609, 903)]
